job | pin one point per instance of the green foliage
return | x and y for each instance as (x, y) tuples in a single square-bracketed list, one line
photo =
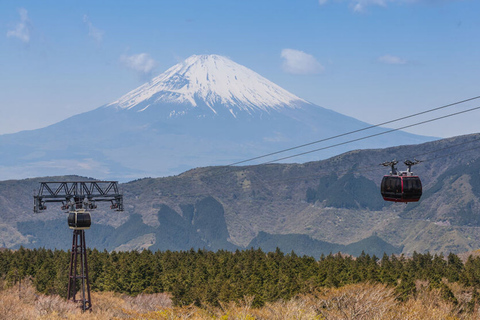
[(471, 275), (406, 287), (473, 301), (445, 292), (454, 268), (206, 277)]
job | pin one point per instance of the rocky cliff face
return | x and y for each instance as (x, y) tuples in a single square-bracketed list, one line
[(227, 207)]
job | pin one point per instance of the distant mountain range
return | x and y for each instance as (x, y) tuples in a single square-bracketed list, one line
[(312, 208), (206, 110)]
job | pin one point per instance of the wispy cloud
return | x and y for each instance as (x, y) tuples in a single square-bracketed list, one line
[(93, 32), (141, 63), (23, 29), (299, 62), (361, 5), (389, 59)]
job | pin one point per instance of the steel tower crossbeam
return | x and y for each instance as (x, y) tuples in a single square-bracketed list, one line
[(75, 192)]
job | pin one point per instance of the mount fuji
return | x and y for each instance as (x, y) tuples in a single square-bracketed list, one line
[(206, 110)]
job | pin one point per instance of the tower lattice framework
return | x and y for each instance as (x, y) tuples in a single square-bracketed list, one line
[(79, 271), (77, 197)]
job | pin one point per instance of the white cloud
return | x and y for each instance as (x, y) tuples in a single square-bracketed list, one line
[(93, 32), (23, 28), (389, 59), (361, 5), (299, 62), (141, 63)]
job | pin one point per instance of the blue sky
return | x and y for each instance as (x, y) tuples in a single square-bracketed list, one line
[(374, 60)]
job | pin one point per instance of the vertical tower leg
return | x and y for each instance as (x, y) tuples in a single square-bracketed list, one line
[(79, 255), (87, 301), (72, 285)]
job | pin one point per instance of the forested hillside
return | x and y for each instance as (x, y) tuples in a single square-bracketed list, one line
[(335, 202), (206, 277)]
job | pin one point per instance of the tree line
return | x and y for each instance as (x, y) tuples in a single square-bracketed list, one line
[(201, 276)]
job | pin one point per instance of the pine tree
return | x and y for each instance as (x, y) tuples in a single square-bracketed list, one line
[(406, 288)]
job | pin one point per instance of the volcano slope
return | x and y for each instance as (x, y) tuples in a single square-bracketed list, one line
[(206, 110), (335, 201)]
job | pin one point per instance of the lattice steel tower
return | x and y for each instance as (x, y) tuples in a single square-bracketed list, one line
[(77, 197)]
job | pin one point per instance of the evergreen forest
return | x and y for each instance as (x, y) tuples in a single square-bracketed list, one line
[(202, 277)]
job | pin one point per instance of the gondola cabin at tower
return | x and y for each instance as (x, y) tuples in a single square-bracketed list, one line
[(401, 186), (79, 220)]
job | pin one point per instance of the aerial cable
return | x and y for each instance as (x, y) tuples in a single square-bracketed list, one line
[(362, 169), (369, 168), (355, 131), (363, 138), (449, 147), (358, 139), (324, 171), (372, 135), (449, 154)]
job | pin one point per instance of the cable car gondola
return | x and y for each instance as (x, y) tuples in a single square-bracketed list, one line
[(79, 220), (401, 186)]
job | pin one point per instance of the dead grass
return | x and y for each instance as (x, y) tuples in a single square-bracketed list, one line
[(359, 301), (148, 302)]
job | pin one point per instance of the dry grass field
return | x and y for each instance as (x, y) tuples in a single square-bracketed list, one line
[(359, 301)]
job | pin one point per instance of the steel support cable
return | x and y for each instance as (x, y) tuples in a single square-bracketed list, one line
[(449, 154), (372, 135), (355, 131), (430, 152), (329, 170), (354, 140), (363, 169), (449, 147)]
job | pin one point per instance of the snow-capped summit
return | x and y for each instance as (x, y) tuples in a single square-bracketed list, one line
[(210, 80), (207, 110)]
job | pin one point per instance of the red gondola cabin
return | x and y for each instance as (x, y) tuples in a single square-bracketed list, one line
[(401, 188)]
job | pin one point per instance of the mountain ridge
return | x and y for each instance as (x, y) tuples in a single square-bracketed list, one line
[(243, 201), (152, 137)]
